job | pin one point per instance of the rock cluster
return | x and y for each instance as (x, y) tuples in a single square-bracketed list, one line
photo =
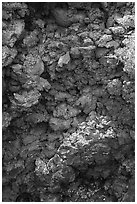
[(68, 88)]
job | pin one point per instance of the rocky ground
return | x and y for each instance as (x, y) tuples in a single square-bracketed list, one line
[(68, 102)]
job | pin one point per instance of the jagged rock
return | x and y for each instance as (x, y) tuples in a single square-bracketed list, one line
[(114, 87), (119, 30), (6, 118), (127, 21), (59, 124), (26, 99), (8, 55), (64, 59), (127, 53), (12, 32)]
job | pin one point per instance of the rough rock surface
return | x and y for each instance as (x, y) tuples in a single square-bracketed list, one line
[(68, 88)]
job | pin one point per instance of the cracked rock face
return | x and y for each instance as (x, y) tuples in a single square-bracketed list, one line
[(68, 101)]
